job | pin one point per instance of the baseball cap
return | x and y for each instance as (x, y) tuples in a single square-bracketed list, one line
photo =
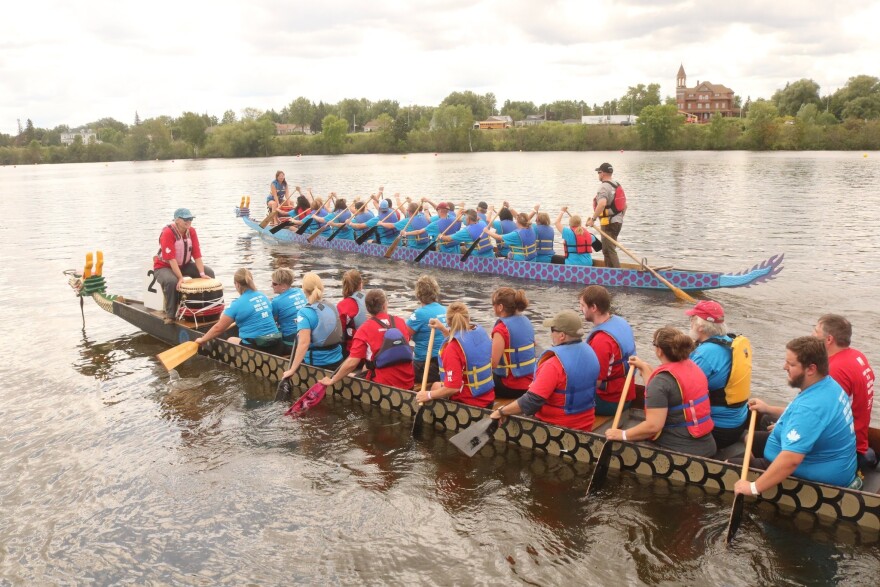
[(183, 213), (444, 206), (566, 321), (707, 310), (384, 205), (605, 168)]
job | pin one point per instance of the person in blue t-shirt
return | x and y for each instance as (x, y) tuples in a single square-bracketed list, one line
[(714, 357), (414, 220), (577, 242), (318, 330), (813, 438), (428, 294), (252, 313), (444, 222), (286, 304), (473, 230)]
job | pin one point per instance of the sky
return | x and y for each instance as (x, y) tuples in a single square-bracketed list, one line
[(72, 63)]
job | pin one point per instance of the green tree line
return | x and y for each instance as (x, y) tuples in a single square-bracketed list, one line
[(796, 117)]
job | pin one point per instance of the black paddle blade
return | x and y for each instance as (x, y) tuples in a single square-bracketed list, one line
[(600, 472), (363, 238), (473, 438), (285, 391), (418, 422), (736, 514), (304, 225), (425, 252), (280, 226)]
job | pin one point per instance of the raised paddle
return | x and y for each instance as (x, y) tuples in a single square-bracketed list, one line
[(736, 512), (425, 251), (600, 472), (369, 232), (417, 419), (180, 353), (473, 246), (268, 218), (344, 224), (679, 293), (393, 246)]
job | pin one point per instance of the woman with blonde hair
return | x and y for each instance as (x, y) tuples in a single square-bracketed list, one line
[(677, 408), (577, 242), (428, 294), (544, 237), (513, 344), (352, 307), (465, 361), (250, 312), (318, 329), (286, 305)]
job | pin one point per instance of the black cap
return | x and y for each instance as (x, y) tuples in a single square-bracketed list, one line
[(605, 168)]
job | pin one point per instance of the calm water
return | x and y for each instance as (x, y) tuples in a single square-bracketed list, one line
[(112, 473)]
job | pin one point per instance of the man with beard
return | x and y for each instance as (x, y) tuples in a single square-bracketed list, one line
[(813, 438)]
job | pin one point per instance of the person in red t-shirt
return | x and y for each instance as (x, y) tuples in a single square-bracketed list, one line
[(851, 370), (465, 359), (515, 369), (612, 340), (563, 391), (368, 341), (179, 256), (349, 307)]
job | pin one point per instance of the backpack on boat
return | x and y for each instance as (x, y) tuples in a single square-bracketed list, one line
[(738, 387), (395, 349), (618, 202)]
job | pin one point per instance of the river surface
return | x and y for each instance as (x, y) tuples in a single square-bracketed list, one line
[(111, 472)]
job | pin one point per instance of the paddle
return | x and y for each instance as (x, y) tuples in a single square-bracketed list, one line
[(680, 294), (284, 390), (425, 251), (311, 218), (367, 233), (417, 419), (344, 224), (473, 246), (180, 353), (600, 472), (736, 511), (473, 438), (310, 398), (268, 218), (280, 226), (393, 246)]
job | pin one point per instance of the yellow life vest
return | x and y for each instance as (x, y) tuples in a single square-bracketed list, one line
[(739, 383)]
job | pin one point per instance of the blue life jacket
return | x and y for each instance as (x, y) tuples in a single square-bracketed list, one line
[(419, 241), (525, 251), (280, 189), (519, 359), (361, 219), (581, 372), (476, 230), (620, 330), (395, 349), (544, 236), (385, 236), (507, 226), (477, 348), (447, 227), (328, 334)]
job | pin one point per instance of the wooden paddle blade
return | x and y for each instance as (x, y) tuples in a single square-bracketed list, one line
[(392, 247), (285, 390), (473, 438), (177, 355), (418, 422), (268, 219), (305, 225), (280, 226), (736, 514), (600, 472)]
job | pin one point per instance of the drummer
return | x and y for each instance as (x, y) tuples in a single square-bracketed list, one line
[(179, 256)]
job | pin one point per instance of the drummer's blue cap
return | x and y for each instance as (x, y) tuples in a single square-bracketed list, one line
[(183, 213)]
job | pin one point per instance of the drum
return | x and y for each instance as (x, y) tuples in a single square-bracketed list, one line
[(200, 299)]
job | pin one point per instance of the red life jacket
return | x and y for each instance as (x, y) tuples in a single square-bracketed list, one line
[(617, 203), (694, 396), (583, 242)]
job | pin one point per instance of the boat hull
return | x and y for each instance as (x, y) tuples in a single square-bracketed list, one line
[(827, 503), (548, 272)]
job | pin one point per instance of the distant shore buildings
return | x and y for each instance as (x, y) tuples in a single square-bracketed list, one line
[(705, 99)]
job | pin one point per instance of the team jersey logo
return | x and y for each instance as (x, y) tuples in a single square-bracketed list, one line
[(793, 436)]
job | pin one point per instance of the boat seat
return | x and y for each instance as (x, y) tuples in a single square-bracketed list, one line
[(603, 423)]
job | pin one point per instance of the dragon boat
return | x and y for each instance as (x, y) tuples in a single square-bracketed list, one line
[(821, 504), (628, 275)]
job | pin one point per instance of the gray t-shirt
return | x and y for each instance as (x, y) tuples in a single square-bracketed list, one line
[(663, 392), (606, 192)]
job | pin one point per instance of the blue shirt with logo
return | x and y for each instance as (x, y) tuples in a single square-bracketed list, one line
[(418, 323), (818, 424), (285, 308), (252, 313)]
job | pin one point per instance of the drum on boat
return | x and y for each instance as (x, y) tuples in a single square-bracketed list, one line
[(200, 299)]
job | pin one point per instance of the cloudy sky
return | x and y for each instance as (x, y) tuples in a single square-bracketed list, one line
[(64, 62)]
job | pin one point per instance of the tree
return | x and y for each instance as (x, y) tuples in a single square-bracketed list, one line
[(300, 112), (192, 130), (481, 107), (228, 117), (137, 118), (860, 86), (763, 127), (790, 99), (637, 97), (658, 126), (333, 133), (250, 113), (520, 108)]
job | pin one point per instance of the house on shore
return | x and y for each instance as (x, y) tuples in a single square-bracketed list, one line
[(704, 99), (87, 136)]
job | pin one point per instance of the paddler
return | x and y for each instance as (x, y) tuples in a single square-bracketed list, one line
[(513, 344), (521, 242), (577, 242), (318, 329), (474, 229)]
